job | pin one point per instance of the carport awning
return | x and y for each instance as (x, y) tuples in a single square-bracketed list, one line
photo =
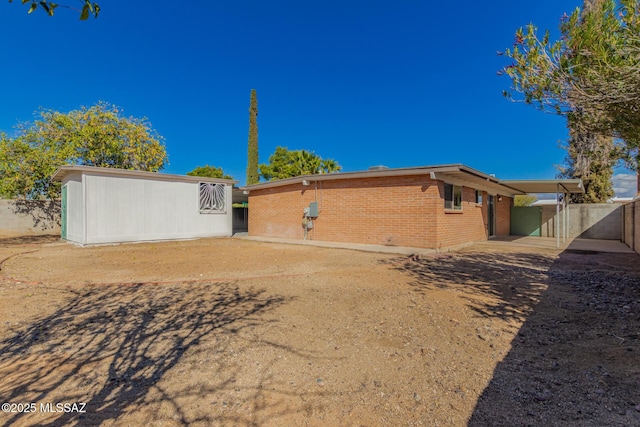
[(569, 186)]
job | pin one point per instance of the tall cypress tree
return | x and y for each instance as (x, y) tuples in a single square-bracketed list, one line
[(252, 156)]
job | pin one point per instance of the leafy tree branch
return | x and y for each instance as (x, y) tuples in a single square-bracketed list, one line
[(209, 172), (95, 136), (88, 8), (284, 163)]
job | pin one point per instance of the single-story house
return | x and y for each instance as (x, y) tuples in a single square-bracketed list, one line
[(429, 207), (108, 205)]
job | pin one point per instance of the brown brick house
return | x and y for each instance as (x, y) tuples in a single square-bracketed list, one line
[(430, 207)]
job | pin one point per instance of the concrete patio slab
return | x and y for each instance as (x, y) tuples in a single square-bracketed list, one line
[(401, 250), (613, 246), (595, 245)]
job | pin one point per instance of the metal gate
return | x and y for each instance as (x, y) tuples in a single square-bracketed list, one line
[(526, 220), (64, 212)]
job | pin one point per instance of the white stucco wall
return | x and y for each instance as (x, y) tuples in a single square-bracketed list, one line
[(129, 209)]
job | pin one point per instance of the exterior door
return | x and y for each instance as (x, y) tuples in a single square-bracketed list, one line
[(491, 216), (64, 212)]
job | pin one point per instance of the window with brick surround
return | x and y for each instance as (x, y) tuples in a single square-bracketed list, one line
[(212, 198), (479, 197), (452, 197)]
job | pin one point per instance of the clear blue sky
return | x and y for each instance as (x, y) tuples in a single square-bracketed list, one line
[(405, 83)]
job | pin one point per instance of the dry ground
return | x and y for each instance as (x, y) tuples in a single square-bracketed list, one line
[(232, 332)]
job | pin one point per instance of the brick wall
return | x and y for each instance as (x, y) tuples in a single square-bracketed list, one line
[(463, 226), (503, 215), (402, 211)]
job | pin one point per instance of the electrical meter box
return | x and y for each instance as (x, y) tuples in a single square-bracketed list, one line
[(313, 210)]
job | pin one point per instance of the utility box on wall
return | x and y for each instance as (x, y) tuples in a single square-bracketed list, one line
[(313, 210)]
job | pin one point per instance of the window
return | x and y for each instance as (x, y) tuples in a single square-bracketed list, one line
[(479, 197), (212, 198), (452, 197)]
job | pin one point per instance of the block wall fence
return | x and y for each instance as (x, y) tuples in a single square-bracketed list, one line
[(29, 216), (631, 228)]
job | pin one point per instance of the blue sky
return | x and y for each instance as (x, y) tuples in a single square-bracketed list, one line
[(408, 83)]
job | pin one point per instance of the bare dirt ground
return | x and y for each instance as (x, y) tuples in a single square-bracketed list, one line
[(232, 332)]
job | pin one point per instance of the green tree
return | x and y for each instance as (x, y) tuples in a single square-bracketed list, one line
[(209, 172), (590, 157), (574, 76), (94, 136), (89, 8), (591, 70), (26, 169), (252, 155), (284, 163), (524, 200)]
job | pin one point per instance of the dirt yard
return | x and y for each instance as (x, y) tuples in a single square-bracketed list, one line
[(232, 332)]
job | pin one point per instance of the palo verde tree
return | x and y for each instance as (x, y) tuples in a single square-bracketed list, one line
[(88, 8), (96, 136), (252, 152), (284, 163), (209, 172), (589, 75), (524, 200)]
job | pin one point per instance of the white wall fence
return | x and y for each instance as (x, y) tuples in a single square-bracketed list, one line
[(586, 221), (631, 230), (29, 216)]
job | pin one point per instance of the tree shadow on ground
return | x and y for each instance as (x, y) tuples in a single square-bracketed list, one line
[(110, 345), (29, 239), (505, 285), (574, 361)]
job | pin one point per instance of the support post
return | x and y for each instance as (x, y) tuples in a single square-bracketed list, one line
[(568, 219), (557, 221)]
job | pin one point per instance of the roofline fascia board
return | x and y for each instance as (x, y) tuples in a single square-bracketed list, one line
[(491, 187), (356, 175), (434, 172), (480, 174), (63, 171), (552, 182)]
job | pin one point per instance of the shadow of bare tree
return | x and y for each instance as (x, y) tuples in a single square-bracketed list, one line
[(573, 361), (111, 345), (515, 280), (44, 214), (29, 239)]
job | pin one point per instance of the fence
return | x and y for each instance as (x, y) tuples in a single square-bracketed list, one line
[(586, 221), (631, 228), (29, 216)]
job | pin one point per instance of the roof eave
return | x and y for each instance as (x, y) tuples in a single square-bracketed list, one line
[(355, 175), (63, 171)]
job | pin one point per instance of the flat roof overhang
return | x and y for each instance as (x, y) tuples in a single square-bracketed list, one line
[(569, 186), (453, 174), (64, 171)]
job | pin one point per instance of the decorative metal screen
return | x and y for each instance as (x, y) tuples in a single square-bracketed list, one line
[(212, 197)]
